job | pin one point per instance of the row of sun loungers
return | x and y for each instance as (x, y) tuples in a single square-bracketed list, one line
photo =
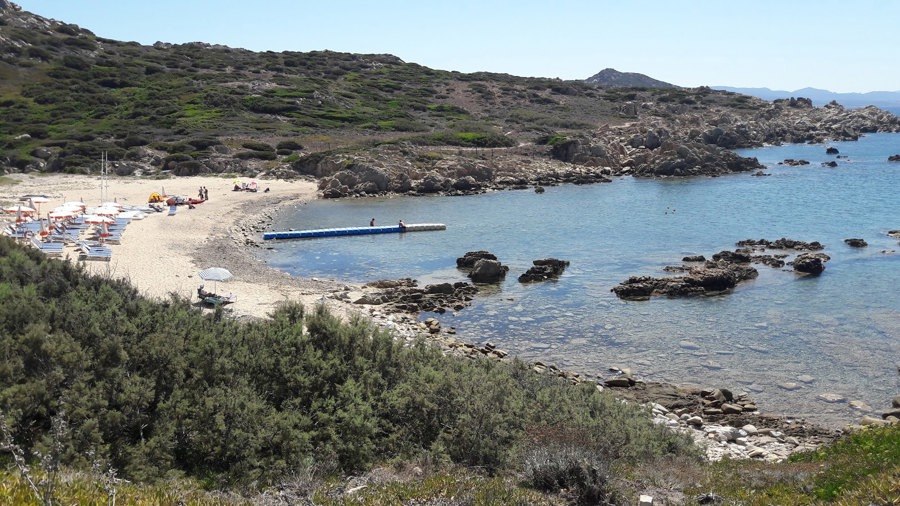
[(89, 240)]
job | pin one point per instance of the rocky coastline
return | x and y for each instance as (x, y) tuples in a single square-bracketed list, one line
[(722, 423), (662, 142)]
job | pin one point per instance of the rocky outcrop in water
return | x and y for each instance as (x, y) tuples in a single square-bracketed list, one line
[(482, 266), (856, 242), (468, 260), (725, 270), (544, 269), (710, 278), (783, 243), (404, 296), (810, 263)]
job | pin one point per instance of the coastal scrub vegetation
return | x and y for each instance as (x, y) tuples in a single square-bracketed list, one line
[(61, 85), (158, 390), (95, 377)]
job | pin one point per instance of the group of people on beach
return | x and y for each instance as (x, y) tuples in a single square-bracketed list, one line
[(203, 193), (401, 224)]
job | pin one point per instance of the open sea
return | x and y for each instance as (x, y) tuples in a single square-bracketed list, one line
[(782, 338)]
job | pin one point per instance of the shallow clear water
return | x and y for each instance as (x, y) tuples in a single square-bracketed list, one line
[(836, 333)]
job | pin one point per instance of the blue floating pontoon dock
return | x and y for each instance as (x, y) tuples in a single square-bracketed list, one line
[(335, 232)]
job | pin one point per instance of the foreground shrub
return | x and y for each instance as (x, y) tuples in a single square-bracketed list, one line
[(567, 460), (161, 389)]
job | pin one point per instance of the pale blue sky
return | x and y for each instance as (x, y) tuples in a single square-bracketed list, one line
[(835, 45)]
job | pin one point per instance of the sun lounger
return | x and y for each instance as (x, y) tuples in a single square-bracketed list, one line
[(17, 233), (48, 248), (94, 252), (215, 299), (220, 300), (66, 234), (112, 237)]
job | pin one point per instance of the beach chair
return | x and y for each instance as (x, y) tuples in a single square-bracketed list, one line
[(64, 233), (90, 251), (48, 248), (215, 299), (220, 300), (16, 232)]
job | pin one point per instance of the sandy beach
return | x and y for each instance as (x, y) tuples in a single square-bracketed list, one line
[(162, 254)]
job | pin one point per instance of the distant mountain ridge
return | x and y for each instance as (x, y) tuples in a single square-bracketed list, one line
[(614, 79), (821, 97)]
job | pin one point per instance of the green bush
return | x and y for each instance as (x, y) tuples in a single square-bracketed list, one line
[(161, 389), (289, 144), (257, 146), (568, 460), (134, 141), (75, 62), (259, 155)]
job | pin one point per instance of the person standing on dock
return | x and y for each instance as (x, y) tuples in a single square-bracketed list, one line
[(372, 222)]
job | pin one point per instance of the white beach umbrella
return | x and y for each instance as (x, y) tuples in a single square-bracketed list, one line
[(59, 214), (36, 202), (19, 209), (107, 211), (97, 219), (215, 274)]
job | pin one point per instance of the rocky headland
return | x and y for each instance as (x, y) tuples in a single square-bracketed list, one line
[(671, 143)]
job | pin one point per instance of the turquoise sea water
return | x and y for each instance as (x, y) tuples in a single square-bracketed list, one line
[(836, 333)]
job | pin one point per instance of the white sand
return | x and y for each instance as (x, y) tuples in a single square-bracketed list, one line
[(162, 254)]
